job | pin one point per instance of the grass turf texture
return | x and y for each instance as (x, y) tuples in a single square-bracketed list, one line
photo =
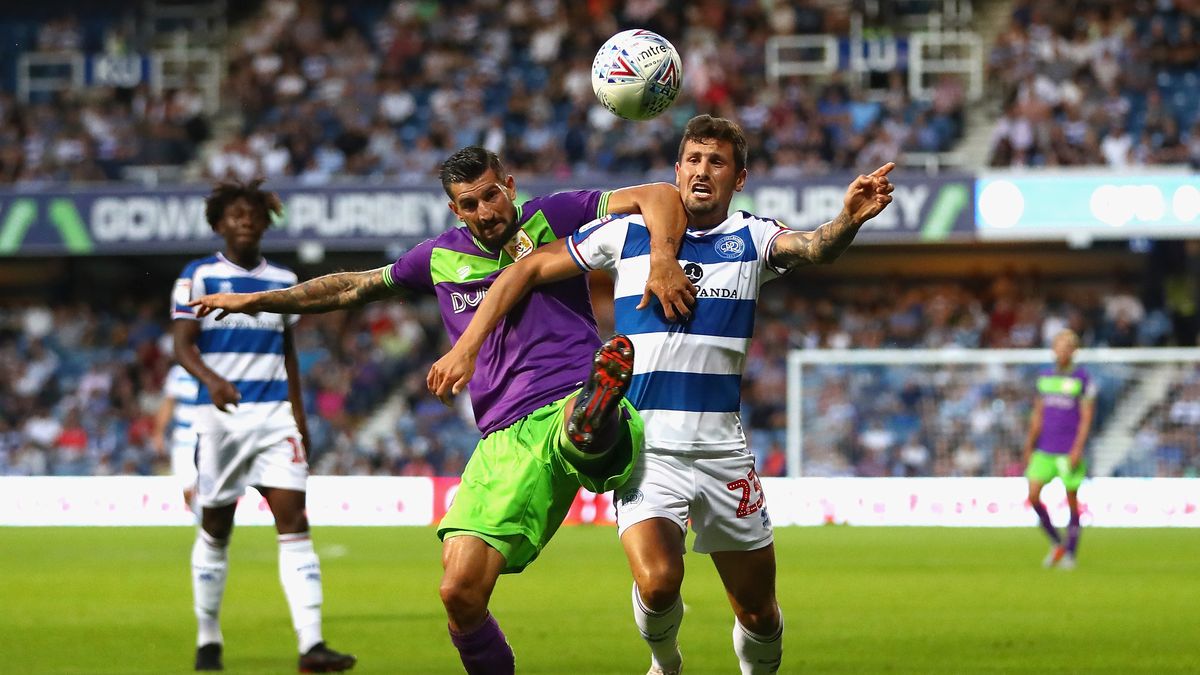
[(857, 600)]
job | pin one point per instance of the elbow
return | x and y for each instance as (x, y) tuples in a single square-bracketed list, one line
[(826, 257)]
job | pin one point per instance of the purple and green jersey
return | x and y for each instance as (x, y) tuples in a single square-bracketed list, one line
[(1063, 395), (542, 350)]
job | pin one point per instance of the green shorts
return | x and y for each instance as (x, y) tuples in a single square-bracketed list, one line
[(1045, 467), (522, 480)]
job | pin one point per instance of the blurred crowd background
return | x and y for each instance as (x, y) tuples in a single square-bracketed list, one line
[(80, 384), (320, 92)]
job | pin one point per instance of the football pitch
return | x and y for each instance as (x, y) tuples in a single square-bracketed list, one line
[(856, 600)]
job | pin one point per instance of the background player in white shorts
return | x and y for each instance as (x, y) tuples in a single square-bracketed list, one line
[(176, 412), (687, 384), (249, 422)]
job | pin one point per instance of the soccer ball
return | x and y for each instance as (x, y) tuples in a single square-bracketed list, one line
[(636, 74)]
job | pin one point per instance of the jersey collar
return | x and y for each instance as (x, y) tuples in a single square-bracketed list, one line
[(262, 264)]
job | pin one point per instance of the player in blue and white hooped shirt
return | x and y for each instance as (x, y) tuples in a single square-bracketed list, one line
[(687, 383), (176, 412), (249, 423)]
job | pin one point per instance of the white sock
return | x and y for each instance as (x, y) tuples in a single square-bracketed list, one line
[(300, 574), (758, 654), (659, 630), (210, 565)]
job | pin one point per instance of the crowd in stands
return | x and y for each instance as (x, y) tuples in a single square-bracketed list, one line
[(387, 90), (79, 385), (1096, 82)]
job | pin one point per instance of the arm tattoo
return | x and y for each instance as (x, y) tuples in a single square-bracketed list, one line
[(822, 245), (327, 293)]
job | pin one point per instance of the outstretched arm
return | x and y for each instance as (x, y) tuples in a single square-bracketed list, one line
[(662, 209), (323, 294), (866, 197), (548, 263)]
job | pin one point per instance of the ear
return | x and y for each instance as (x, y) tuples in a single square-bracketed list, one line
[(454, 209), (740, 182), (511, 186), (678, 182)]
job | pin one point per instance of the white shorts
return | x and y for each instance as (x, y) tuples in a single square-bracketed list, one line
[(721, 495), (183, 464), (229, 462)]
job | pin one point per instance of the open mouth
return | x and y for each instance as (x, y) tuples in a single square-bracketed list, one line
[(702, 190)]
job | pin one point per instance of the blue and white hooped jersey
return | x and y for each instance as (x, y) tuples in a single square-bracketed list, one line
[(246, 350), (687, 378), (182, 387)]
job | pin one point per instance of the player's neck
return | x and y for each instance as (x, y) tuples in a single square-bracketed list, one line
[(1063, 367), (706, 222), (246, 259)]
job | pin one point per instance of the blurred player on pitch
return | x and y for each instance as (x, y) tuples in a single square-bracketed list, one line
[(1058, 432), (542, 437), (687, 384), (249, 422), (176, 411)]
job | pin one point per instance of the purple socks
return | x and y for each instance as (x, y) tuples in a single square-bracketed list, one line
[(1073, 534), (485, 651), (1044, 517)]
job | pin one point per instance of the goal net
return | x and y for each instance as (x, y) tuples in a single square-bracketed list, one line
[(914, 412)]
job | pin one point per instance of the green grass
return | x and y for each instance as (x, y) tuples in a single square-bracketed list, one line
[(857, 600)]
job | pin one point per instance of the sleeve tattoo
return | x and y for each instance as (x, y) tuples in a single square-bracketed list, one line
[(332, 291), (822, 245)]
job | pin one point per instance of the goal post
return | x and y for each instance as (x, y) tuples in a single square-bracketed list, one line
[(847, 402)]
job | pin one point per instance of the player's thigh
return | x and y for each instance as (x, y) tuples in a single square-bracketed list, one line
[(222, 466), (287, 506), (660, 487), (470, 564), (1072, 479), (279, 462), (1041, 470), (513, 495), (749, 579), (655, 548), (730, 510)]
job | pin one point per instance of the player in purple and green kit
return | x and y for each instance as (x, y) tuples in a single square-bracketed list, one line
[(538, 446), (1058, 432)]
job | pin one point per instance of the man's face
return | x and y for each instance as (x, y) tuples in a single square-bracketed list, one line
[(1064, 346), (707, 178), (486, 206), (242, 226)]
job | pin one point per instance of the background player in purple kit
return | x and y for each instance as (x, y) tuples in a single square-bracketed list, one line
[(538, 447), (1058, 433)]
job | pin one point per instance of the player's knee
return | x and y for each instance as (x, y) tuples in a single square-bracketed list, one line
[(661, 591), (462, 601), (217, 527), (760, 620), (291, 523)]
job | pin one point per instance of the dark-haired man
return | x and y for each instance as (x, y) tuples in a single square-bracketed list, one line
[(541, 441), (687, 384), (249, 422)]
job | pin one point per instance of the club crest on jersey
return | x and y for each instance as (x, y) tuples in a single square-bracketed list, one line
[(730, 247), (225, 286), (631, 498), (519, 246)]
